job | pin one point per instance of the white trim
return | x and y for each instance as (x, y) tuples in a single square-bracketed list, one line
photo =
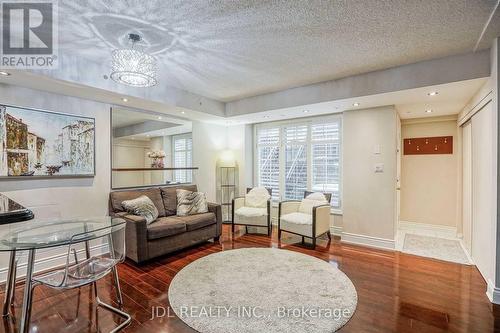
[(429, 229), (376, 242), (51, 262), (336, 230), (493, 293)]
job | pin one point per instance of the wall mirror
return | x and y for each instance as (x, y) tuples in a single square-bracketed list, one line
[(149, 149)]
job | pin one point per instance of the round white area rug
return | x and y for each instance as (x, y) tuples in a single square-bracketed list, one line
[(262, 290)]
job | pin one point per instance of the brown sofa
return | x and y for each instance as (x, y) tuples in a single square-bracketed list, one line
[(169, 232)]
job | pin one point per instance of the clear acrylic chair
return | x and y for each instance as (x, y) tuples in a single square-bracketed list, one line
[(80, 272)]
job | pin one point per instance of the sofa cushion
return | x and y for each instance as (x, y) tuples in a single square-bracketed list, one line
[(251, 211), (191, 203), (166, 226), (299, 223), (169, 196), (142, 206), (198, 221), (154, 194)]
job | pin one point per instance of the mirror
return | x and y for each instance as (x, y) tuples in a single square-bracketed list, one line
[(149, 149)]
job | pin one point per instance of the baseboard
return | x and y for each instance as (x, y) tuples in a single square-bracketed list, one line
[(336, 230), (376, 242), (493, 293), (438, 230), (51, 261)]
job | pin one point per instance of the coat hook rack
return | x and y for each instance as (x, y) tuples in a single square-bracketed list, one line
[(428, 145)]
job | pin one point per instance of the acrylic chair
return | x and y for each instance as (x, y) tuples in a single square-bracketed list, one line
[(81, 272)]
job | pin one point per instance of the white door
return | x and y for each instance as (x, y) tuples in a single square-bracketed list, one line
[(482, 189), (467, 185)]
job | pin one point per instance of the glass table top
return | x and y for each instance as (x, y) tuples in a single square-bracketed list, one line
[(44, 233)]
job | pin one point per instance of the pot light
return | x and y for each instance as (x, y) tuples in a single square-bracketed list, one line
[(428, 111), (433, 93), (2, 73), (266, 116), (159, 117), (125, 99), (306, 111), (183, 112), (355, 104)]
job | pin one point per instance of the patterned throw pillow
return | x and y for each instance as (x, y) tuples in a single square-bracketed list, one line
[(190, 203), (142, 206)]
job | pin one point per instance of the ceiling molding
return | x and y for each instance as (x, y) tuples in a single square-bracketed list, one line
[(426, 73)]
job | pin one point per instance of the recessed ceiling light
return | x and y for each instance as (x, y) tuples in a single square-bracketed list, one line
[(305, 111), (125, 99), (266, 116), (428, 110), (432, 93), (4, 73), (183, 112), (159, 117), (355, 104)]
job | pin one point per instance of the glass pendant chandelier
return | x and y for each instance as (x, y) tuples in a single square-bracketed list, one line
[(133, 67)]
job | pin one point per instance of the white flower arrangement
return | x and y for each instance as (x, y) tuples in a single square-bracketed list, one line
[(157, 154)]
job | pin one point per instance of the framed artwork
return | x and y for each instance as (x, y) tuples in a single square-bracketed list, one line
[(37, 143)]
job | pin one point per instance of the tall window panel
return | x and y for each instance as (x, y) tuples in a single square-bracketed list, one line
[(295, 181), (325, 147), (268, 159), (183, 157), (296, 156)]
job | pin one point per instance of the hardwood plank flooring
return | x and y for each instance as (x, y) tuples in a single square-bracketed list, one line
[(397, 292)]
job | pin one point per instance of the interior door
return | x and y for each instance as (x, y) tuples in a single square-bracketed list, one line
[(482, 189), (467, 185)]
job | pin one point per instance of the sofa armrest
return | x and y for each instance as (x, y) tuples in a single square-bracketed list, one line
[(217, 210), (136, 237), (321, 219)]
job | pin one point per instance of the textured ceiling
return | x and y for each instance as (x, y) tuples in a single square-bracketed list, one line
[(228, 50)]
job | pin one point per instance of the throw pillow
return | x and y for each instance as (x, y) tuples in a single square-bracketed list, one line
[(312, 200), (141, 206), (257, 197), (190, 203)]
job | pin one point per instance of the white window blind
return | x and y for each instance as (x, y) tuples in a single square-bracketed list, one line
[(295, 181), (182, 157), (325, 146), (297, 156), (268, 159)]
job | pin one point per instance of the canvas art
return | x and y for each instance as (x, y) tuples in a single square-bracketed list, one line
[(41, 143)]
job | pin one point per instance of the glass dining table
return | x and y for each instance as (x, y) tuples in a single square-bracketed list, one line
[(30, 236)]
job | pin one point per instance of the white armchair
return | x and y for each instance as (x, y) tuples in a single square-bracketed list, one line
[(307, 218), (254, 209)]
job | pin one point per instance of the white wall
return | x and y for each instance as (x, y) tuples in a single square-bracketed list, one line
[(369, 198), (69, 197), (429, 183)]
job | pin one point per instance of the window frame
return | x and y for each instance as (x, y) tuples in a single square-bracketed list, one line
[(309, 144)]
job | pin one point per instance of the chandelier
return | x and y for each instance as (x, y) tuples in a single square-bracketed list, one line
[(133, 67)]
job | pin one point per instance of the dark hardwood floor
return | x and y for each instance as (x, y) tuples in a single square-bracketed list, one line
[(397, 292)]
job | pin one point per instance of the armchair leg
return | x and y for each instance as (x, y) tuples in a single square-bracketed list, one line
[(246, 230), (314, 242), (329, 235), (232, 227), (303, 239), (216, 239), (279, 234)]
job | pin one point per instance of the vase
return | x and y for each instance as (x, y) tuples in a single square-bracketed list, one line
[(157, 163)]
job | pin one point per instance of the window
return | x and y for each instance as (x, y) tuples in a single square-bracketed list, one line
[(296, 156), (182, 157), (268, 159)]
